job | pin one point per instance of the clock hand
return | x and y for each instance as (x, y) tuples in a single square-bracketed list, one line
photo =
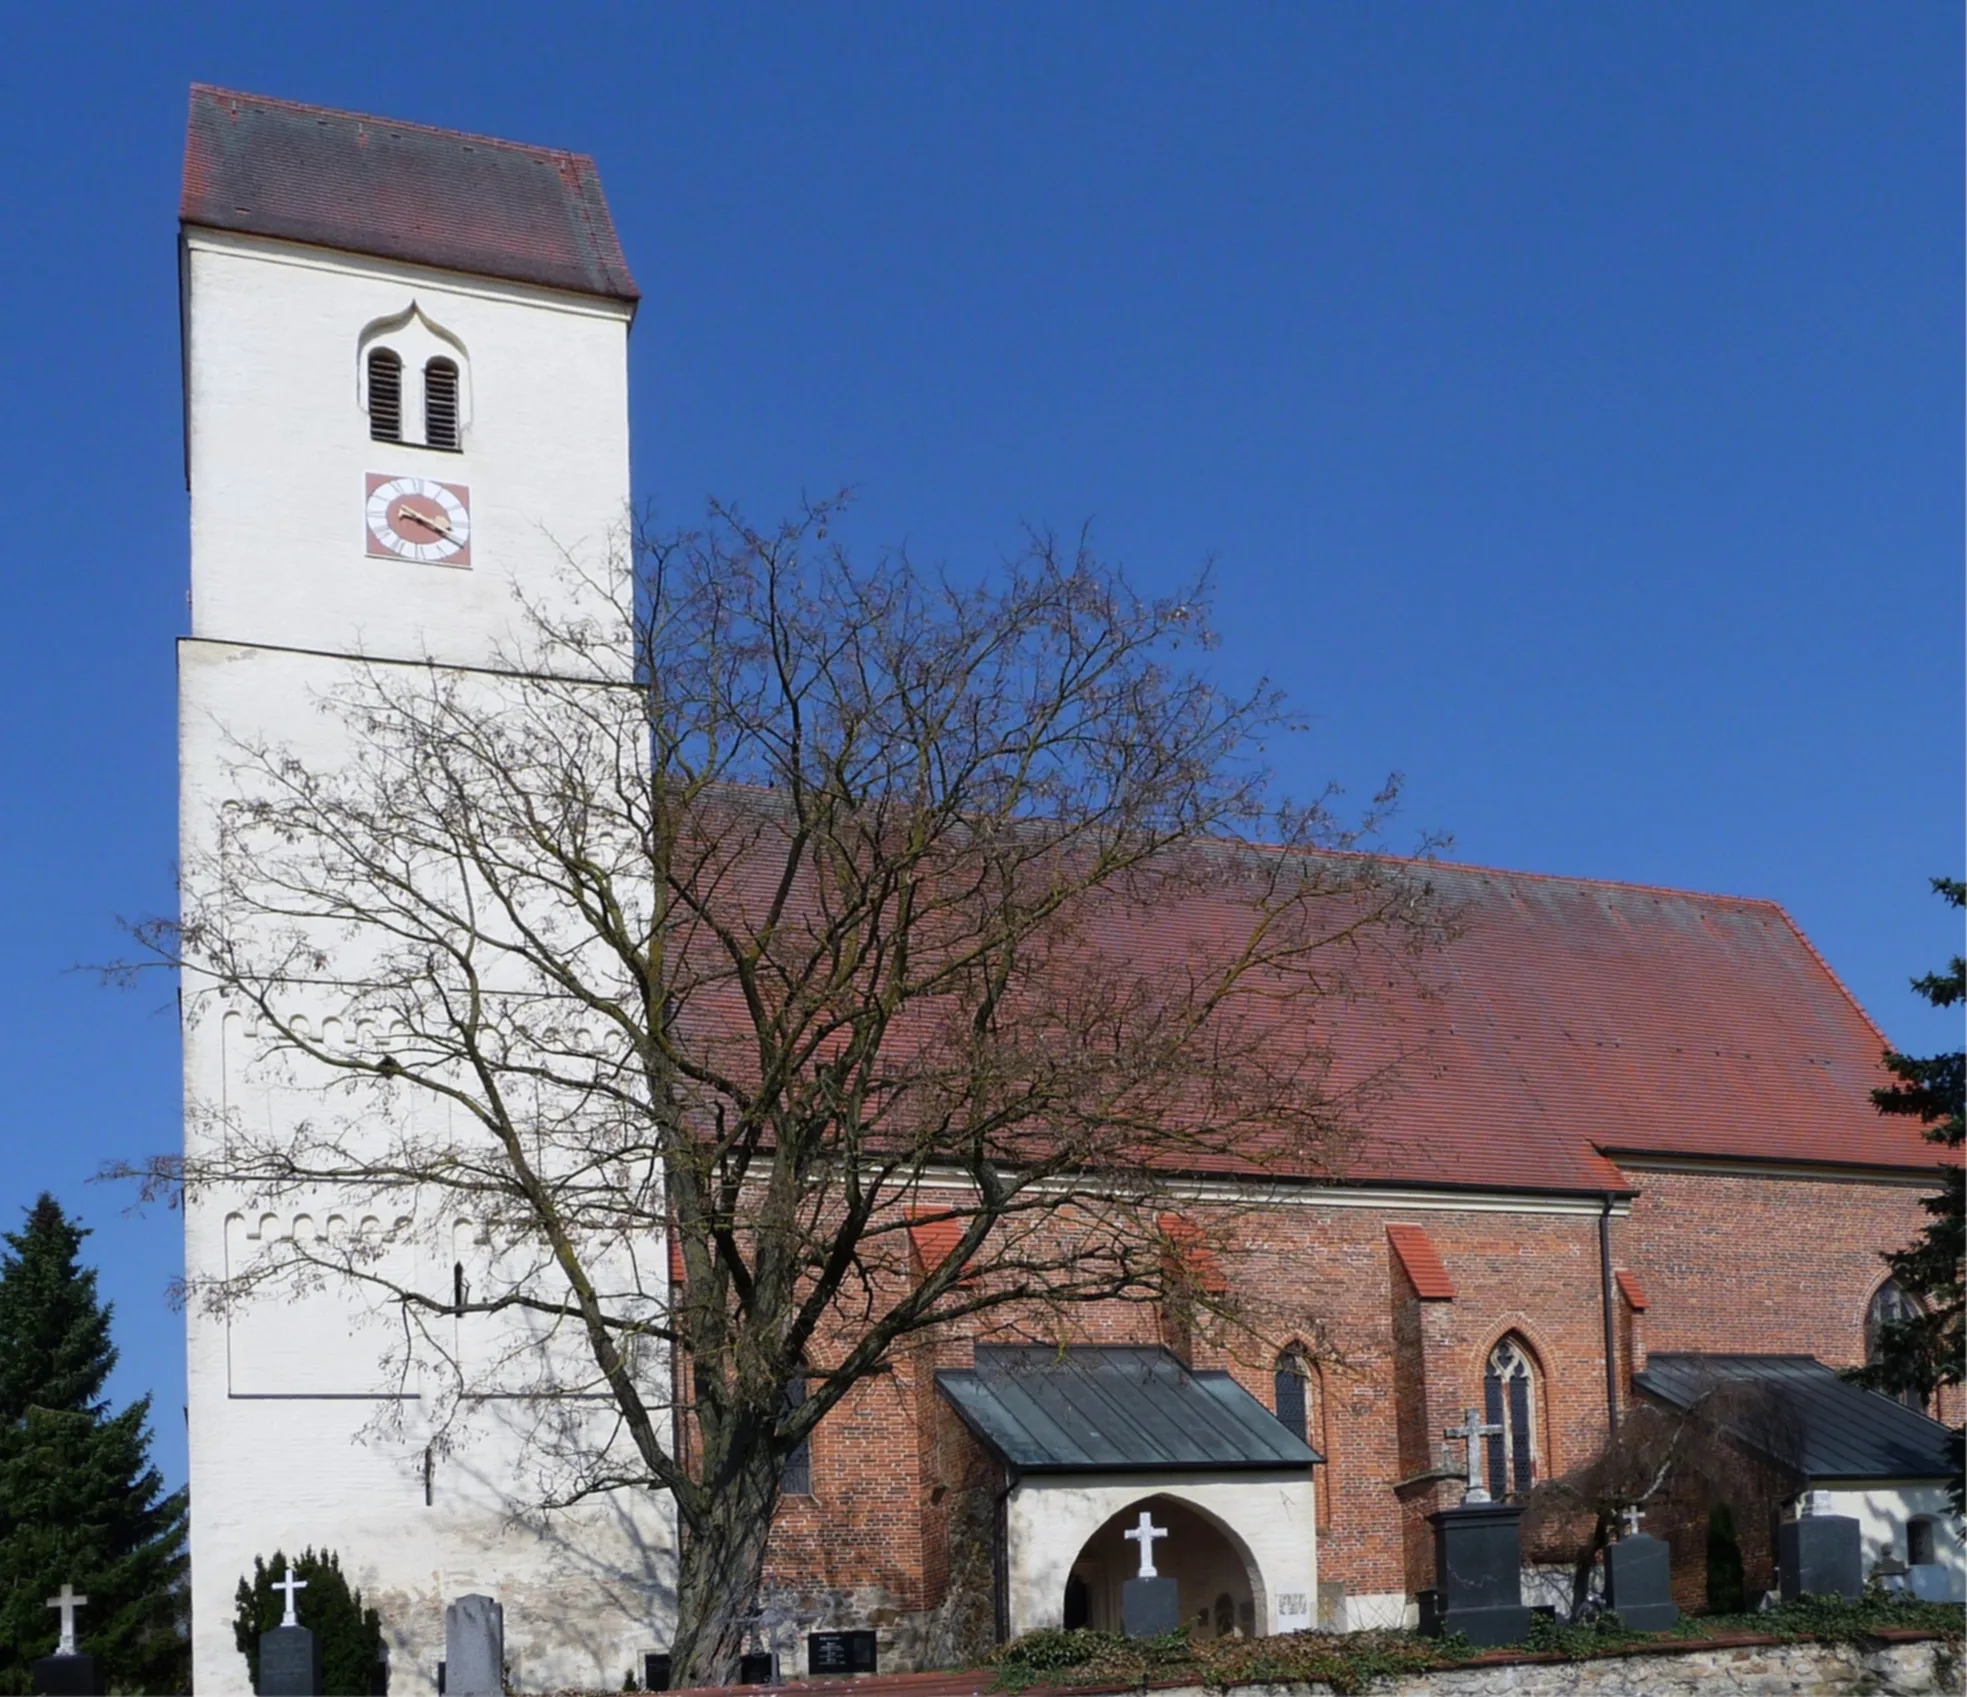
[(424, 519)]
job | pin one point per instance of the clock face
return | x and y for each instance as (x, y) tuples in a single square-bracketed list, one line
[(415, 518)]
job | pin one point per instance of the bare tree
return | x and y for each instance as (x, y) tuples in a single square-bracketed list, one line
[(851, 897), (1680, 1461)]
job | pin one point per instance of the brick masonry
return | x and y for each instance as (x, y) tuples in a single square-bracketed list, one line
[(897, 1530)]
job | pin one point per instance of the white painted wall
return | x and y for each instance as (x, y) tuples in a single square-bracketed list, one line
[(307, 1425), (1882, 1512), (1270, 1517)]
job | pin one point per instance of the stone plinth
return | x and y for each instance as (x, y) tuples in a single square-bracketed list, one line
[(1150, 1607), (1820, 1556), (1478, 1574), (68, 1676)]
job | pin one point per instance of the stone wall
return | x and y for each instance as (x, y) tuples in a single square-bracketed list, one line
[(1752, 1670)]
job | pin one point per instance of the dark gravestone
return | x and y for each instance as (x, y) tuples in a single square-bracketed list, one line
[(758, 1667), (1478, 1574), (1820, 1556), (1150, 1608), (1639, 1583), (474, 1648), (655, 1671), (290, 1663), (836, 1655), (68, 1676)]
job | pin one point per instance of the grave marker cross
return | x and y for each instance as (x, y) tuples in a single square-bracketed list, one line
[(1632, 1516), (1144, 1535), (290, 1585), (68, 1602), (1471, 1432)]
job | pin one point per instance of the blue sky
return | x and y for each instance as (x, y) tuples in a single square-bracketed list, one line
[(1569, 396)]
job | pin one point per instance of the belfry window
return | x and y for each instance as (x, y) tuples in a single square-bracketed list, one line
[(1290, 1389), (1510, 1396), (440, 405), (385, 396), (1890, 1305)]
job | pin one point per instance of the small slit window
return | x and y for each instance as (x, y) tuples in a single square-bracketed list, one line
[(440, 405), (796, 1472), (386, 396)]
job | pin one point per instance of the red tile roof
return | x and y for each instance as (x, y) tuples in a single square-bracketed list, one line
[(1422, 1262), (934, 1234), (400, 191), (1191, 1251), (1630, 1289)]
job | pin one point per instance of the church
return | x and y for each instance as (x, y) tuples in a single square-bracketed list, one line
[(1639, 1153)]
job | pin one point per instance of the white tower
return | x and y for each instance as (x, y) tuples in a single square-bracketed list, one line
[(405, 356)]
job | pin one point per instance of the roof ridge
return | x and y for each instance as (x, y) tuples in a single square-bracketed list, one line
[(388, 123), (1585, 878)]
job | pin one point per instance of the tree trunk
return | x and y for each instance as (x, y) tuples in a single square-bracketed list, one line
[(718, 1585), (1601, 1536)]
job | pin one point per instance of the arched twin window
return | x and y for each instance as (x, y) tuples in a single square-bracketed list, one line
[(1890, 1304), (442, 419), (1509, 1392)]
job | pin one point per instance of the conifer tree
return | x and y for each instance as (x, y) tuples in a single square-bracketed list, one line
[(1923, 1352), (80, 1502)]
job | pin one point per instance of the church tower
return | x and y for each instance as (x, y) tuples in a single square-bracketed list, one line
[(406, 409)]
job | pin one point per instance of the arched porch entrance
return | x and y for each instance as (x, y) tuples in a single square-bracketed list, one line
[(1217, 1587)]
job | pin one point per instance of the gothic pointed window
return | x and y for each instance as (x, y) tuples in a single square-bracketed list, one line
[(440, 405), (1290, 1389), (385, 395), (796, 1472), (1509, 1391), (1891, 1304)]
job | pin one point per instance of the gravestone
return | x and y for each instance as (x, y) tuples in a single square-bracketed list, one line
[(1639, 1583), (1478, 1574), (67, 1673), (758, 1667), (1150, 1604), (837, 1655), (1929, 1582), (474, 1648), (1820, 1556), (655, 1671), (290, 1663)]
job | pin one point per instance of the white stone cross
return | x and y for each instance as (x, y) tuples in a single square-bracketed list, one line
[(1472, 1432), (1631, 1515), (1144, 1535), (68, 1603), (290, 1585)]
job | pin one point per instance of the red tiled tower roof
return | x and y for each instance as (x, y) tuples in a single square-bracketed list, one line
[(400, 191)]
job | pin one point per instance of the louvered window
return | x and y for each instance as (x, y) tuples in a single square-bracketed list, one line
[(440, 404), (385, 396)]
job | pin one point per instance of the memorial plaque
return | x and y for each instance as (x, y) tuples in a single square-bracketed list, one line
[(758, 1667), (290, 1663), (474, 1648), (1150, 1608), (655, 1671), (838, 1655), (1478, 1574), (1639, 1583), (68, 1676), (1820, 1555)]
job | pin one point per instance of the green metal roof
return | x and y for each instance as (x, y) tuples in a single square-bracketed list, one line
[(1815, 1422), (1088, 1409)]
